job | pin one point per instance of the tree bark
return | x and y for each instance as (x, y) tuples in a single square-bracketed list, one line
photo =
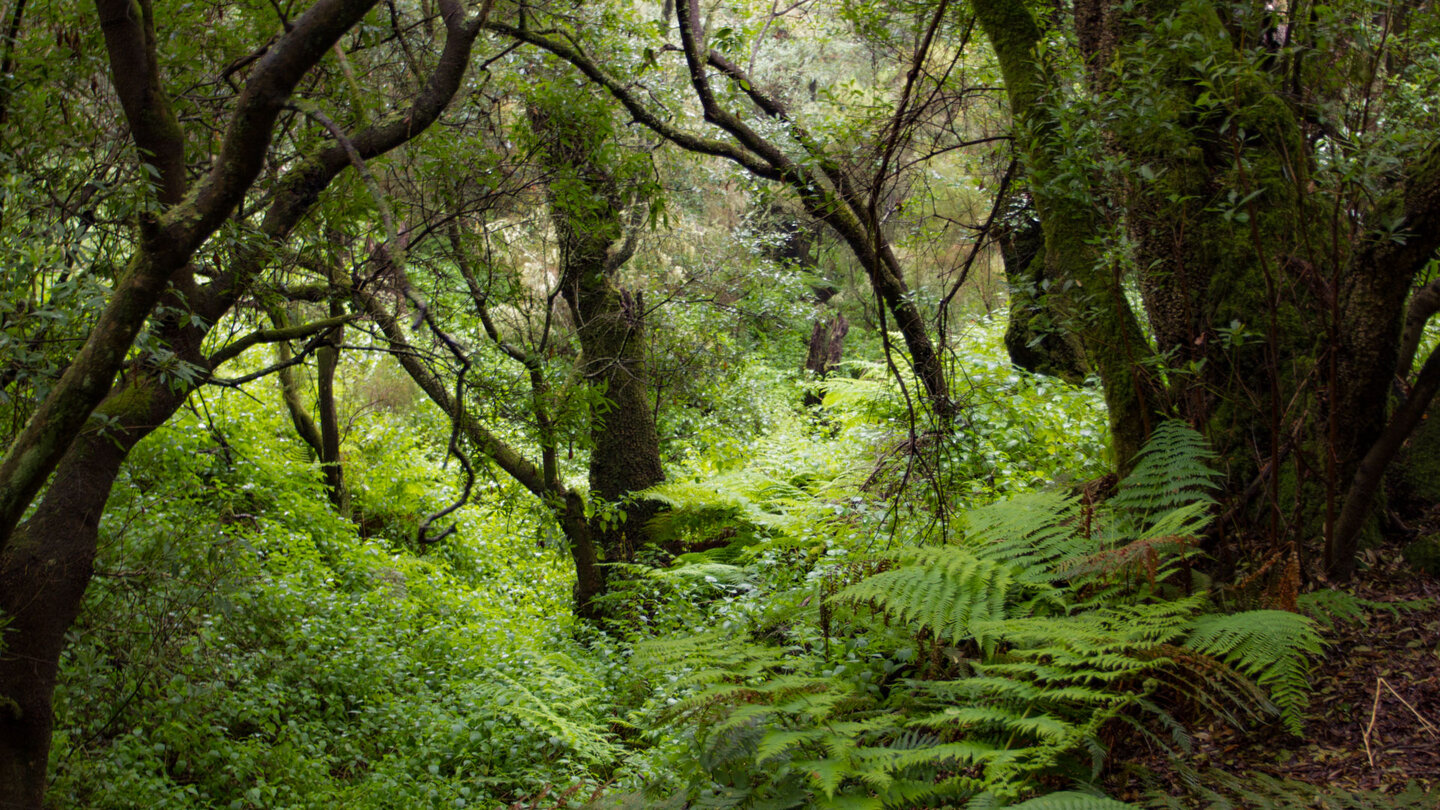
[(46, 564), (1086, 294), (1034, 339), (45, 570), (327, 360), (827, 344), (1276, 311), (587, 207)]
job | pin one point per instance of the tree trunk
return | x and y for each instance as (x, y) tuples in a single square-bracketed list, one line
[(327, 359), (587, 203), (46, 562), (625, 448), (1086, 292), (827, 343), (1275, 309), (44, 572), (1033, 338)]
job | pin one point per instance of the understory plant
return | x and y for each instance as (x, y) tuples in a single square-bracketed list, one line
[(989, 670)]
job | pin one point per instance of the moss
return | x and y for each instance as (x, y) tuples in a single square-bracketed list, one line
[(1424, 554), (10, 710), (128, 401)]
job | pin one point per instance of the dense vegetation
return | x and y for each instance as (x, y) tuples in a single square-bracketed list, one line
[(848, 405)]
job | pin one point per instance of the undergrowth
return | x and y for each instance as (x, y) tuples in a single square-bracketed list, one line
[(852, 613), (983, 671)]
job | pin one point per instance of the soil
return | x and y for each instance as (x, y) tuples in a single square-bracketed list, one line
[(1374, 718)]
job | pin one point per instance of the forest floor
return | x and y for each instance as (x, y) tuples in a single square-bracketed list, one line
[(1374, 716)]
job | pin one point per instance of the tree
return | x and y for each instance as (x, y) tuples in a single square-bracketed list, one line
[(767, 139), (1217, 160), (269, 173), (595, 194)]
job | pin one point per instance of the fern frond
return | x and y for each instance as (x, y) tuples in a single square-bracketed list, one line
[(948, 590), (1152, 559), (1172, 470), (1035, 532), (715, 573), (1271, 646), (1256, 791), (1070, 800)]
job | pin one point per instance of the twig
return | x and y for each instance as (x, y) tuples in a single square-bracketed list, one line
[(1375, 711), (1429, 726)]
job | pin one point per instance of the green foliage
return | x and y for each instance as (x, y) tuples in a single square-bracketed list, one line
[(287, 662), (1271, 646), (1173, 470), (949, 591), (1047, 625), (1067, 800), (1016, 431)]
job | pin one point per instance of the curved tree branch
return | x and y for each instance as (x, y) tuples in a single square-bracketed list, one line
[(167, 243), (1424, 303)]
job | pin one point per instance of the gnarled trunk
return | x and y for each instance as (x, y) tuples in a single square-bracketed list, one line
[(1275, 304)]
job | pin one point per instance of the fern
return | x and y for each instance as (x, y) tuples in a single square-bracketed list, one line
[(1059, 616), (1069, 800), (1330, 607), (949, 591), (1035, 532), (1269, 645), (1172, 470), (556, 701)]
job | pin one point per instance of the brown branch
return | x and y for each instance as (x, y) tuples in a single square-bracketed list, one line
[(259, 336), (1340, 555), (300, 188), (135, 73), (488, 444), (167, 242), (621, 92), (1423, 305)]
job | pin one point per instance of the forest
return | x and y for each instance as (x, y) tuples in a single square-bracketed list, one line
[(539, 404)]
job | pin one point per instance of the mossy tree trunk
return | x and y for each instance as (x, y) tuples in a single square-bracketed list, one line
[(1275, 309), (1033, 341), (589, 185), (1086, 295)]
